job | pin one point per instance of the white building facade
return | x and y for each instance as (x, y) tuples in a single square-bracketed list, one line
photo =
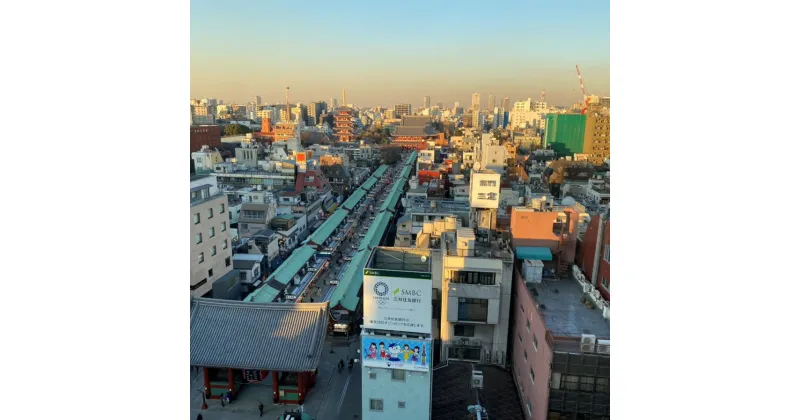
[(396, 344)]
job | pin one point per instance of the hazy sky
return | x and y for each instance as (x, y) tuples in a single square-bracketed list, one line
[(388, 52)]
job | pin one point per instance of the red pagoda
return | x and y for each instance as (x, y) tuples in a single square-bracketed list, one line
[(344, 123)]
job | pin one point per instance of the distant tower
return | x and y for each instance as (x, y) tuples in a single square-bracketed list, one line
[(344, 97), (288, 108), (426, 101)]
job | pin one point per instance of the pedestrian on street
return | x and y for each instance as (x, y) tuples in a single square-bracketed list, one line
[(199, 417), (222, 399), (230, 397), (260, 409)]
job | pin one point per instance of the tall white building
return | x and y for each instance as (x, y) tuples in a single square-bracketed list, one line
[(210, 240), (523, 115), (476, 101), (491, 102), (396, 351), (426, 102), (257, 100)]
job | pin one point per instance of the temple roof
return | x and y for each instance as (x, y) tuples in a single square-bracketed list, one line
[(285, 337)]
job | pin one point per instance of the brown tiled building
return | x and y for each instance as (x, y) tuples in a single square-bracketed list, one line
[(595, 255), (204, 135)]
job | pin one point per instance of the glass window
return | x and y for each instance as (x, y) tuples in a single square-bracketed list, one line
[(222, 209), (464, 330), (224, 226), (470, 309), (401, 404), (535, 343), (198, 238), (201, 258), (373, 375), (210, 213), (531, 374), (196, 218), (375, 404), (398, 375), (211, 232), (225, 244), (213, 250)]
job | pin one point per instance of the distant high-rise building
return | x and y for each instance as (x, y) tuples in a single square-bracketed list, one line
[(476, 101), (402, 109), (426, 102), (605, 102), (257, 100), (456, 105), (491, 102), (440, 105), (506, 103), (315, 110)]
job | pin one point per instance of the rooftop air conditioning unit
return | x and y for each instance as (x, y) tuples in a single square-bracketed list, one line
[(477, 379), (588, 343), (604, 346)]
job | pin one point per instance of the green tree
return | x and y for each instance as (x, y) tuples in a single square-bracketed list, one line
[(236, 130), (390, 155)]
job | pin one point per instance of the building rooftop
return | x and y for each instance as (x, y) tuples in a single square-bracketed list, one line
[(269, 336), (564, 314), (452, 393), (400, 259)]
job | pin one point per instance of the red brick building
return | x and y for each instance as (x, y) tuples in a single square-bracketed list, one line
[(594, 256), (204, 135)]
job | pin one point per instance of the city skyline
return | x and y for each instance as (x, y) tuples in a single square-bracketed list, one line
[(329, 49)]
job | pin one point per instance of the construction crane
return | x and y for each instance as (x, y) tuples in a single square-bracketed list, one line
[(585, 97)]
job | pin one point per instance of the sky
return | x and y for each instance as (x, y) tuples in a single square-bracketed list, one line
[(385, 53)]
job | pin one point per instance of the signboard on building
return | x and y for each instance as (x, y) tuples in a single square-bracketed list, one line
[(397, 300), (396, 353)]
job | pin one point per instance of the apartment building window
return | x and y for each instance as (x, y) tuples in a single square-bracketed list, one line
[(528, 324), (485, 183), (525, 355), (522, 308), (531, 374), (375, 404), (253, 214), (398, 375), (470, 309), (198, 285), (225, 244), (472, 277), (210, 213), (222, 209), (528, 406), (210, 272), (535, 342), (213, 250), (227, 261), (198, 238), (607, 253), (196, 218), (373, 375), (401, 404), (519, 337), (224, 226), (211, 232), (201, 258), (464, 330)]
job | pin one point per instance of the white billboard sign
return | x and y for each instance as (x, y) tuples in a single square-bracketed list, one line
[(397, 300)]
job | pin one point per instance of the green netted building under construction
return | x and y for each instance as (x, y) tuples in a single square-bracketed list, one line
[(564, 133)]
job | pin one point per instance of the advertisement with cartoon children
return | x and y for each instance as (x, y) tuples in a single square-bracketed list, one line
[(396, 353)]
